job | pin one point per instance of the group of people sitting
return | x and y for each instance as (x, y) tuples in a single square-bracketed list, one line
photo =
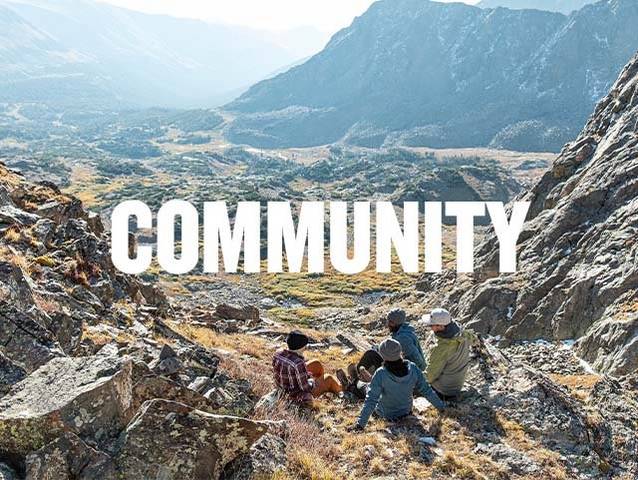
[(387, 376)]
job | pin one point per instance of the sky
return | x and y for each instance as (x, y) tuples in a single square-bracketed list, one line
[(327, 16)]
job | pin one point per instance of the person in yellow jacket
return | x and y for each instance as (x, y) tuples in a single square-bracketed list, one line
[(450, 358)]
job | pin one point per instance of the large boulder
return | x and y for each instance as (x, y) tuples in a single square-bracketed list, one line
[(89, 396), (612, 345), (170, 440), (150, 387), (265, 458), (18, 283)]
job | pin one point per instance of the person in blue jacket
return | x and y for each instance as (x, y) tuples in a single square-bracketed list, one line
[(405, 334), (392, 388)]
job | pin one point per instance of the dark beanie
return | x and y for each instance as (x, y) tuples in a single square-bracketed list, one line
[(296, 340), (397, 315)]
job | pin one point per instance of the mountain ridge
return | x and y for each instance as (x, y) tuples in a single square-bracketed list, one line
[(421, 73), (130, 58)]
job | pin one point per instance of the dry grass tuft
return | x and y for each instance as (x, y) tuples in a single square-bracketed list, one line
[(13, 234), (45, 261)]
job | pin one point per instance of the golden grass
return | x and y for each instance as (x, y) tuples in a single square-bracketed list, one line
[(101, 338), (249, 345), (307, 466), (13, 234), (579, 385), (45, 261)]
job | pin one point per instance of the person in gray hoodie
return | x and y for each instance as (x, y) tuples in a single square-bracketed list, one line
[(405, 334), (392, 388)]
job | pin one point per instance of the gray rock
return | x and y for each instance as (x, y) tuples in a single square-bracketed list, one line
[(150, 387), (43, 230), (167, 352), (168, 366), (67, 329), (89, 396), (516, 462), (235, 312), (69, 458), (611, 346), (5, 197), (266, 457), (19, 284), (10, 215), (10, 373), (201, 384), (353, 342), (159, 442), (24, 338)]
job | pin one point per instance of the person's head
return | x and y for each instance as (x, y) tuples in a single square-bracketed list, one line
[(390, 350), (437, 320), (395, 318), (296, 341)]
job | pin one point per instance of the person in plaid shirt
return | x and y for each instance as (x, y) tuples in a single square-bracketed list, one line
[(298, 380)]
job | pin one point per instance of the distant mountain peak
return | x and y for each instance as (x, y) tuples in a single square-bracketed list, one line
[(420, 73)]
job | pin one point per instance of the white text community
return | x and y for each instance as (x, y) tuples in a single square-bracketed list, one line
[(343, 232)]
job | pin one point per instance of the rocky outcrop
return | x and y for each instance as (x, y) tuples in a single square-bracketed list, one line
[(236, 312), (591, 433), (173, 441), (578, 269), (67, 458), (89, 396), (89, 369)]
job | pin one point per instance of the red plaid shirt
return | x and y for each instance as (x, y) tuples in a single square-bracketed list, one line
[(291, 375)]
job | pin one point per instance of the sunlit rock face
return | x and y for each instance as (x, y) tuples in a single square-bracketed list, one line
[(578, 253)]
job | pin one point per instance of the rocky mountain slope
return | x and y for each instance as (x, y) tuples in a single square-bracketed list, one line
[(84, 54), (562, 6), (578, 252), (416, 72), (104, 377), (86, 389)]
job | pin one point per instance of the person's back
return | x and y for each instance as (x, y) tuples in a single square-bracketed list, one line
[(450, 359), (290, 372), (409, 340), (405, 334), (397, 391), (393, 385)]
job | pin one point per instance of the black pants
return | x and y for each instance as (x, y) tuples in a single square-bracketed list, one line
[(371, 361), (446, 398)]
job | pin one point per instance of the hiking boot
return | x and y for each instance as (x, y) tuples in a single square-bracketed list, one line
[(343, 379)]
